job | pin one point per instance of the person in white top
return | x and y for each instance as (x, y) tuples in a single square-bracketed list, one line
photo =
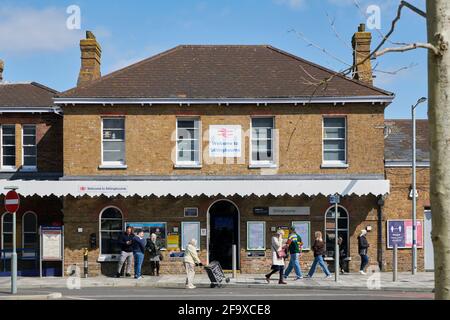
[(191, 260), (278, 256)]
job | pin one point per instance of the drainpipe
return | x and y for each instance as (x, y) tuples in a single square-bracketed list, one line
[(380, 250)]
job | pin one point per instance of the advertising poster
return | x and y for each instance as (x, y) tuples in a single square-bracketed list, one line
[(225, 141), (285, 230), (400, 232), (303, 230), (189, 231), (51, 244), (158, 228), (173, 240), (256, 235)]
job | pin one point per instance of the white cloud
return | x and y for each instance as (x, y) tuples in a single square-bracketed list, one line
[(294, 4), (25, 30)]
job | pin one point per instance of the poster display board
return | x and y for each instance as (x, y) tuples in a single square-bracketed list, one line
[(189, 231), (256, 235), (285, 230), (225, 141), (51, 246), (400, 232), (158, 228), (303, 229), (173, 241)]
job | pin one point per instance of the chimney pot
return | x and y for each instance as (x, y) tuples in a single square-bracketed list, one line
[(2, 66), (91, 53), (362, 65)]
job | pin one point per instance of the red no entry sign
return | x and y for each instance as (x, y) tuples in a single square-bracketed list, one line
[(12, 201)]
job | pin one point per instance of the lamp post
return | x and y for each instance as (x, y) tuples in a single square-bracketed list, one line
[(414, 198)]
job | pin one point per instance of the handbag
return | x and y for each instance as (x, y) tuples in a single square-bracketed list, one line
[(161, 257)]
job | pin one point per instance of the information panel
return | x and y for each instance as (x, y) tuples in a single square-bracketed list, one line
[(400, 232), (158, 228), (52, 243), (303, 229), (189, 231), (256, 235)]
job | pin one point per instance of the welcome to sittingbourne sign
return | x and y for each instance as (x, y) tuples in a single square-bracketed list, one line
[(225, 141)]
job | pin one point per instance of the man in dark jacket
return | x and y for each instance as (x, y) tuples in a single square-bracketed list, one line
[(363, 247), (126, 244), (139, 243)]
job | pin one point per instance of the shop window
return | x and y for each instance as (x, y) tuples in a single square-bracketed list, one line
[(113, 141), (343, 225), (188, 142), (29, 233), (8, 147), (334, 141), (111, 227), (7, 231), (29, 149), (262, 141)]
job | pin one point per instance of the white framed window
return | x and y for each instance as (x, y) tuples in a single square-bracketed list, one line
[(334, 140), (262, 141), (113, 141), (7, 232), (30, 233), (8, 147), (188, 142), (29, 147), (343, 230), (111, 227)]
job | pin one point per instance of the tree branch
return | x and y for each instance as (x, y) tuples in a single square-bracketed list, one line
[(408, 47)]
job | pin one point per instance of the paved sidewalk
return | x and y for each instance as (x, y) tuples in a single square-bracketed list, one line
[(422, 282)]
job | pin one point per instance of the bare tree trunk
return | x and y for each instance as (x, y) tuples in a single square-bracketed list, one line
[(438, 21)]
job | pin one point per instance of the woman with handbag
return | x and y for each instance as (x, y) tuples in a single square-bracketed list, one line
[(154, 248), (278, 256), (319, 252)]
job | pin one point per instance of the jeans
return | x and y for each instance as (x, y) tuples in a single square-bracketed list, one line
[(138, 260), (294, 263), (364, 261), (125, 256), (323, 266)]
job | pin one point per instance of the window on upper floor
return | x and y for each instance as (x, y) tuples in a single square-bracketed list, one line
[(334, 141), (8, 147), (188, 142), (29, 148), (262, 141), (113, 141)]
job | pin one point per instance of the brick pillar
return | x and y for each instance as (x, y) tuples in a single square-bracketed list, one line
[(91, 53)]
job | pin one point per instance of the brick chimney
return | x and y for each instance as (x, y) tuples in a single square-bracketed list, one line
[(91, 53), (2, 66), (361, 50)]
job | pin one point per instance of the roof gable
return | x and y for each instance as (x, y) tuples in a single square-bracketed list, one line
[(211, 72)]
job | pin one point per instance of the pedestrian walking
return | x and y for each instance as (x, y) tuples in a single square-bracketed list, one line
[(191, 260), (294, 244), (138, 253), (363, 248), (278, 256), (154, 249), (342, 255), (126, 252), (319, 252)]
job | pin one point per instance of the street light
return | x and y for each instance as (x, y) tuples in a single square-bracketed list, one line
[(414, 199)]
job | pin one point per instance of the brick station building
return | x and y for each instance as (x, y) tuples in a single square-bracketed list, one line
[(222, 143)]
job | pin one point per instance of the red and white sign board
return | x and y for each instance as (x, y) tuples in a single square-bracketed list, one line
[(12, 201)]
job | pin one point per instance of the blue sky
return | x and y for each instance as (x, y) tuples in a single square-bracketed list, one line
[(37, 46)]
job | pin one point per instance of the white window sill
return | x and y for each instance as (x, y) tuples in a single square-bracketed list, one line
[(187, 166), (8, 170), (108, 258), (113, 167), (334, 165), (262, 165)]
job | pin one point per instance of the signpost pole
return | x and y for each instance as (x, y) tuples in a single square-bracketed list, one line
[(14, 258), (395, 262), (336, 248), (234, 261)]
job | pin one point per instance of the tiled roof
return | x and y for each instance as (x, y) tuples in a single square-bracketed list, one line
[(398, 144), (21, 95), (223, 71)]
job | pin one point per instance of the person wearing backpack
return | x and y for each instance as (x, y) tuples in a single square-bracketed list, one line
[(294, 244), (278, 256)]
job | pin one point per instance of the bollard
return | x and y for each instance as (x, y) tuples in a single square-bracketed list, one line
[(234, 262), (85, 262), (395, 263)]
